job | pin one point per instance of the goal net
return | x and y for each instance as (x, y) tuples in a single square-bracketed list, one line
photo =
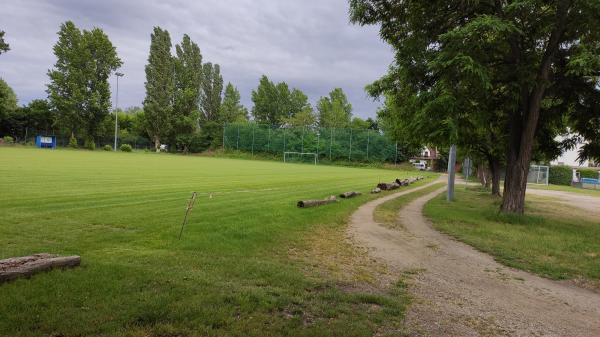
[(300, 157), (538, 175)]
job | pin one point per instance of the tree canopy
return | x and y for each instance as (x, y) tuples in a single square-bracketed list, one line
[(517, 72), (334, 111), (79, 90)]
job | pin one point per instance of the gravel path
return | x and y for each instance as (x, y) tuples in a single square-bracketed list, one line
[(458, 291)]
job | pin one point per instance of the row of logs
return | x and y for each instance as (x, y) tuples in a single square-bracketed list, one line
[(328, 200), (395, 184), (380, 187)]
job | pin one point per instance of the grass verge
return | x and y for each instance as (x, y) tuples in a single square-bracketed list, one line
[(551, 240)]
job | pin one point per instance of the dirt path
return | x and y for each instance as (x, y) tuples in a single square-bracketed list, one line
[(587, 203), (459, 291)]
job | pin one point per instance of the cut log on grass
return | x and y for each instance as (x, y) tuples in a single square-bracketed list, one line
[(387, 187), (350, 194), (376, 190), (314, 203), (403, 182), (26, 266)]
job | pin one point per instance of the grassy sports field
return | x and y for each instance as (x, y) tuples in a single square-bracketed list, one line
[(245, 265)]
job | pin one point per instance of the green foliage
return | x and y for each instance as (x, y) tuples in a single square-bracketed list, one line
[(210, 94), (89, 144), (125, 148), (231, 109), (79, 90), (8, 100), (275, 104), (188, 84), (158, 104), (588, 173), (334, 111), (560, 175), (4, 47), (107, 148), (73, 142), (489, 78), (8, 140)]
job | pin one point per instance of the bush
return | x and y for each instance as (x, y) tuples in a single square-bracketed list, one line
[(560, 175), (8, 140), (125, 148), (73, 142), (107, 147), (89, 144), (588, 173)]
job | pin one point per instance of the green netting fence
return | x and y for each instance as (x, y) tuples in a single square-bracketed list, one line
[(330, 144)]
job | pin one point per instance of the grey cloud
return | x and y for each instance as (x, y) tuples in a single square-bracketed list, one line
[(308, 44)]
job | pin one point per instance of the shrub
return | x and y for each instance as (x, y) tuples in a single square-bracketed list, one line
[(8, 140), (107, 147), (125, 148), (560, 175), (89, 144), (73, 142), (588, 173)]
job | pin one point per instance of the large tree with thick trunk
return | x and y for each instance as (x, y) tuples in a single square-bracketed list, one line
[(530, 67)]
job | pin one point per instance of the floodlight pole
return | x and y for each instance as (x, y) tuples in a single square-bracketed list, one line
[(451, 172), (117, 109)]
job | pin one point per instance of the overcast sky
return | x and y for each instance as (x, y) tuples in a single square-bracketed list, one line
[(309, 44)]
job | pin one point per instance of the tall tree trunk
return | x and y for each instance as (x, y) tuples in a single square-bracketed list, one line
[(156, 144), (524, 122), (495, 169)]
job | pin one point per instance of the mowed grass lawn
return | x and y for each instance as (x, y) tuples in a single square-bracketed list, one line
[(231, 274), (551, 239)]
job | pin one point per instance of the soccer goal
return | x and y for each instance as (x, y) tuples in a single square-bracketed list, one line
[(300, 157), (538, 175)]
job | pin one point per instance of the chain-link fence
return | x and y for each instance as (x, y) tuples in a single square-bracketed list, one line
[(330, 144)]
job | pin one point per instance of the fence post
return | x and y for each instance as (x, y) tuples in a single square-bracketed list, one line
[(284, 140), (223, 138), (303, 128), (350, 153), (269, 139), (252, 139), (330, 143), (238, 138), (396, 160), (318, 138), (368, 141)]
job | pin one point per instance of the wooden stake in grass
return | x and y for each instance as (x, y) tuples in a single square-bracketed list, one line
[(188, 209)]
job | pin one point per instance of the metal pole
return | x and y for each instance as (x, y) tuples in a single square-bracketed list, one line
[(451, 172), (284, 143), (350, 153), (237, 142), (318, 138), (117, 109), (396, 158)]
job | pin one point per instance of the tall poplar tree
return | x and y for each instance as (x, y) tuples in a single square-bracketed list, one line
[(158, 104), (210, 103), (188, 84)]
